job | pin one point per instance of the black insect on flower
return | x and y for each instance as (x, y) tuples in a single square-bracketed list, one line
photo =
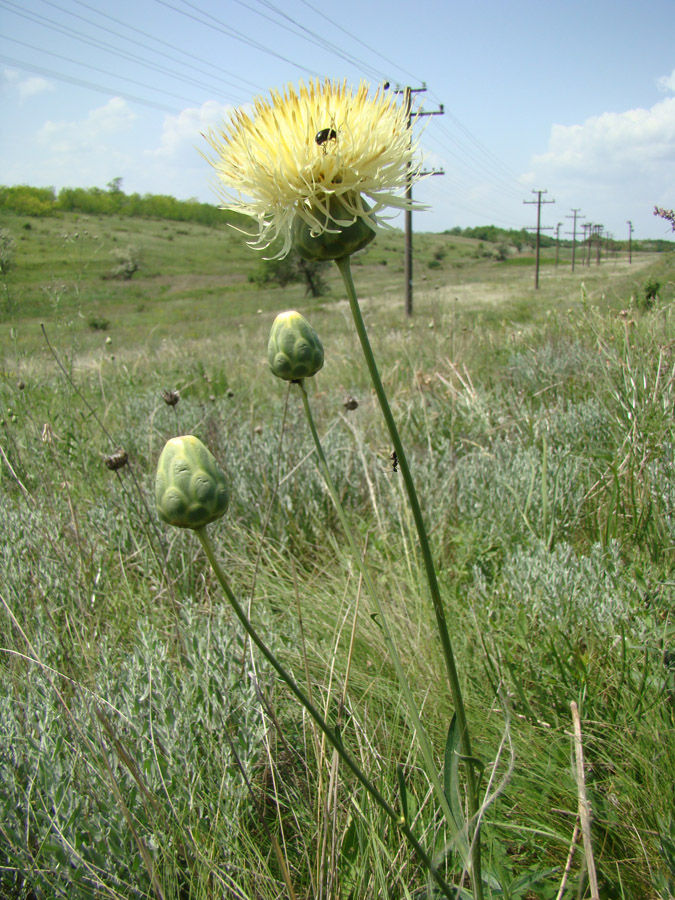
[(326, 134)]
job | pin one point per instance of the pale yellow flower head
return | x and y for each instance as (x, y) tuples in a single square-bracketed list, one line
[(271, 166)]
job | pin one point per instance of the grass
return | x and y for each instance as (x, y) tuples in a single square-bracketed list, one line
[(540, 431)]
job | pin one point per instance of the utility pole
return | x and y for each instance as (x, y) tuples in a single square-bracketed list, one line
[(408, 259), (557, 242), (598, 248), (539, 203), (587, 229), (575, 215), (630, 241)]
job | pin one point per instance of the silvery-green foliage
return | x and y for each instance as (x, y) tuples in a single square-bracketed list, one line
[(583, 427), (552, 364), (500, 489), (159, 749), (661, 474), (560, 589)]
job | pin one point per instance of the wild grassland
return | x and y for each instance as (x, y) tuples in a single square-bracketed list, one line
[(145, 752)]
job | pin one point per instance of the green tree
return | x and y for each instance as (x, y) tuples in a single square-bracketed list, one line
[(293, 269)]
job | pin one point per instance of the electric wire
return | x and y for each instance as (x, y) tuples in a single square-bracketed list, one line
[(109, 48), (358, 40), (175, 49), (217, 25), (492, 158), (457, 197), (104, 71), (79, 82), (466, 168), (312, 37)]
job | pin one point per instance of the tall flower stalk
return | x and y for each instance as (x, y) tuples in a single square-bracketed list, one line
[(429, 567), (315, 168)]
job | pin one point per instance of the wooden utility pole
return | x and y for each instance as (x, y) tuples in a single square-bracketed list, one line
[(575, 215), (408, 258), (630, 241), (557, 242), (539, 203), (598, 249), (588, 230)]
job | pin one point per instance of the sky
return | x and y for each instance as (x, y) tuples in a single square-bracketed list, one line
[(576, 99)]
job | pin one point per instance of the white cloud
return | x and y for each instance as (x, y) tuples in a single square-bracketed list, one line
[(88, 134), (667, 82), (25, 87), (32, 86), (613, 146), (614, 166), (184, 131)]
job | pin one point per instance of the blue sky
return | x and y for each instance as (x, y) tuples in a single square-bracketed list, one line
[(576, 98)]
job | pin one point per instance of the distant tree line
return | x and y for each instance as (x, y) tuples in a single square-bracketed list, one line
[(492, 233), (522, 239), (35, 201)]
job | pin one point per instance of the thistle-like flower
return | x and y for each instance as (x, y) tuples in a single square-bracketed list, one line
[(309, 157)]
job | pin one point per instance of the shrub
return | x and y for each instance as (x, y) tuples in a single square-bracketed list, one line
[(128, 261), (7, 247), (98, 323), (649, 294)]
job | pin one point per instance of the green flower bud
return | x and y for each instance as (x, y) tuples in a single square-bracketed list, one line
[(190, 487), (294, 350), (340, 241)]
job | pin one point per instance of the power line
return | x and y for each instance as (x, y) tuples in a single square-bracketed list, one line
[(102, 45), (79, 82), (468, 167), (358, 40), (173, 48), (312, 37), (217, 25), (102, 71), (494, 160)]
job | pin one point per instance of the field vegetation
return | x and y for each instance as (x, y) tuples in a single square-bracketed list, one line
[(146, 751)]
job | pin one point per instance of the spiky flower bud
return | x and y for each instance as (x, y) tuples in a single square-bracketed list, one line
[(190, 487), (333, 233), (294, 350)]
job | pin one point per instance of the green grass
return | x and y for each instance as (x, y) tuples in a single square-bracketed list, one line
[(540, 429)]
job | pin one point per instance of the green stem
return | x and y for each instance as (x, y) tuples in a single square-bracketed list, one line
[(343, 265), (425, 744), (333, 736)]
